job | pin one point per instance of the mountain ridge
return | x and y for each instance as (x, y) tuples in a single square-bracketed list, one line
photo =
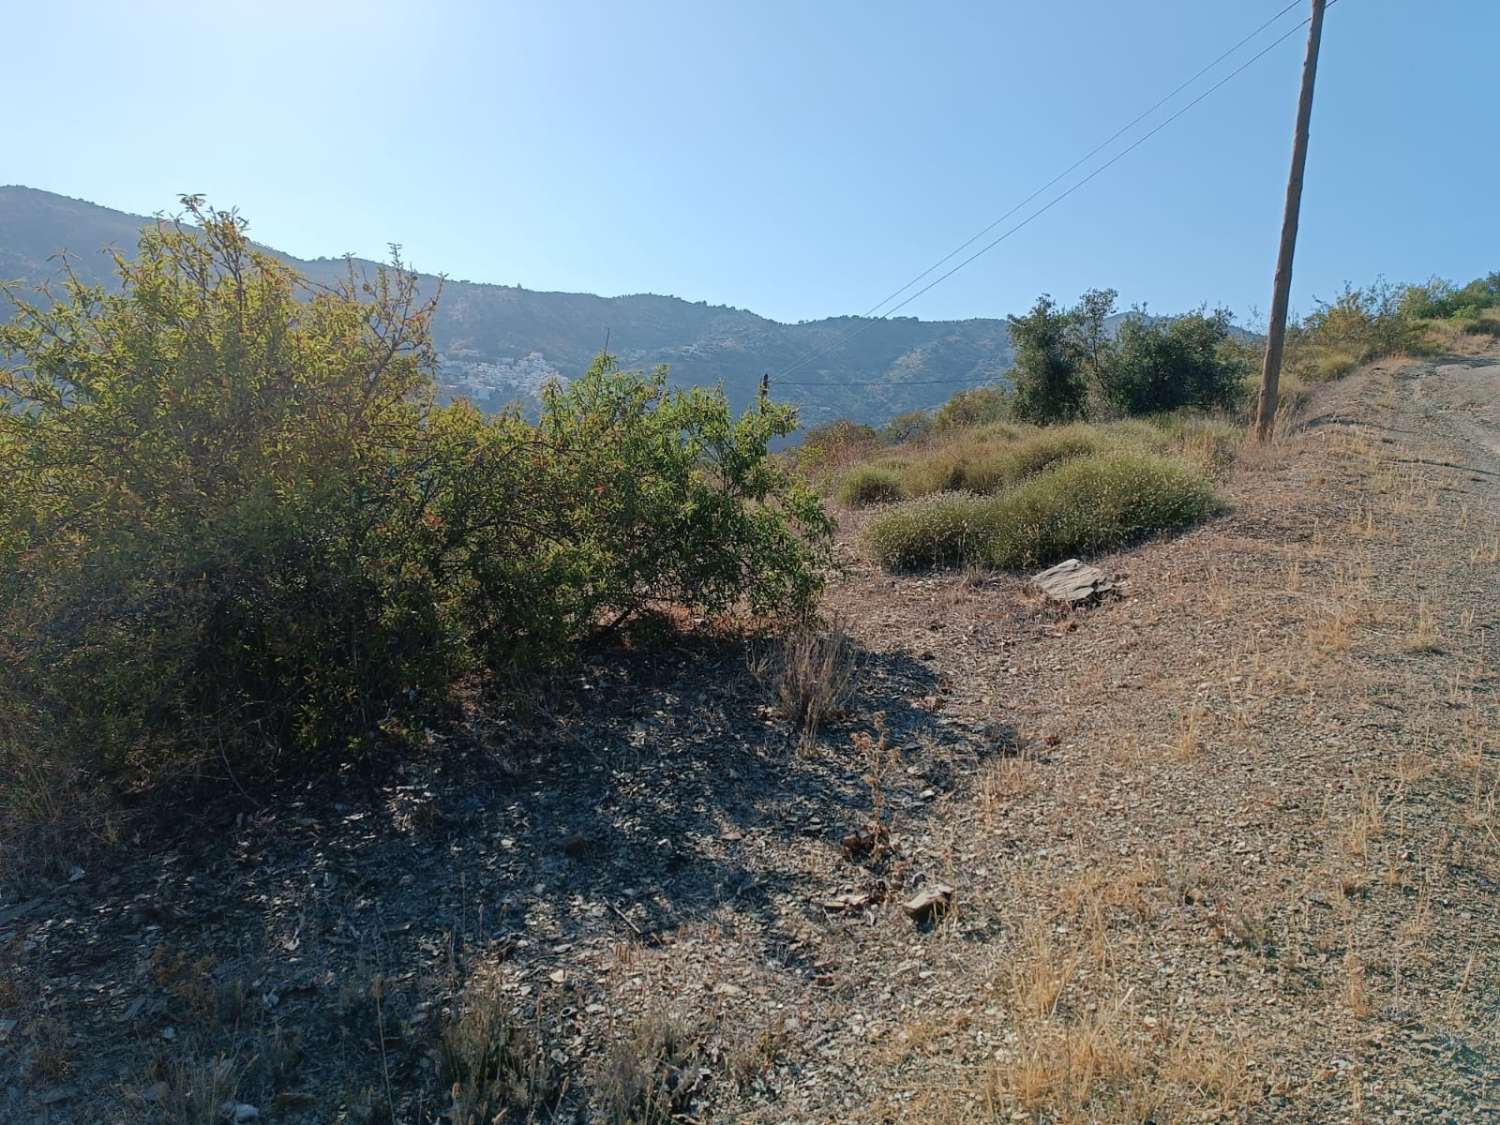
[(498, 342)]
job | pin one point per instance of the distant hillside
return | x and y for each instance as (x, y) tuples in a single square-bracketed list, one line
[(499, 342)]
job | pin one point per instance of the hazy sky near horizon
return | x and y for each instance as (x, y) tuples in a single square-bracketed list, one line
[(797, 159)]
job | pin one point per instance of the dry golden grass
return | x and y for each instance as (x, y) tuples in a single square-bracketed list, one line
[(1006, 781), (1193, 728), (1425, 633)]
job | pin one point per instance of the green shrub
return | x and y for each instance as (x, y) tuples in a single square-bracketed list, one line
[(912, 426), (1365, 323), (1095, 504), (1332, 364), (1090, 504), (1437, 299), (944, 530), (976, 406), (1049, 378), (1428, 300), (834, 445), (1159, 366), (870, 484), (234, 521)]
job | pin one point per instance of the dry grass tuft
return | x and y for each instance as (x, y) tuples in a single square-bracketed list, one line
[(1006, 781), (1425, 634), (651, 1073), (192, 1090), (495, 1062), (810, 675), (1192, 728)]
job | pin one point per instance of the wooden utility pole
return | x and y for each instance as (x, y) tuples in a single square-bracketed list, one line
[(1270, 377)]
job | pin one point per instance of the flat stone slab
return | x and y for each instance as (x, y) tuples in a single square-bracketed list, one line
[(1073, 583)]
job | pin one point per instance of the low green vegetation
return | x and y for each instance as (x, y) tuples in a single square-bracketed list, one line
[(235, 523), (871, 484), (1069, 367), (832, 446), (1088, 504), (1365, 323), (1106, 438), (990, 459)]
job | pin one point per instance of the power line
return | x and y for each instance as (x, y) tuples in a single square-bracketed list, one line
[(1064, 195), (1084, 159), (1103, 167)]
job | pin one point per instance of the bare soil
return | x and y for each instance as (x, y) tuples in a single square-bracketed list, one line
[(1226, 847)]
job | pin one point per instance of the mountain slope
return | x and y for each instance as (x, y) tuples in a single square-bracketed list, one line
[(499, 342)]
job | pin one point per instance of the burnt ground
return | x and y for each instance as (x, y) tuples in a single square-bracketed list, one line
[(1226, 847)]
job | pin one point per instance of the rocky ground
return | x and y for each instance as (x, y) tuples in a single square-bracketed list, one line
[(1224, 847)]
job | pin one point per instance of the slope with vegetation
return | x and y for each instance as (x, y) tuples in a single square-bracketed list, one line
[(1105, 437), (367, 759), (491, 340)]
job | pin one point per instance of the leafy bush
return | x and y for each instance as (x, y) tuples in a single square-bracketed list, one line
[(1365, 323), (1086, 505), (1428, 300), (1050, 386), (870, 484), (914, 425), (234, 520), (835, 444), (1167, 365), (974, 406), (1437, 299)]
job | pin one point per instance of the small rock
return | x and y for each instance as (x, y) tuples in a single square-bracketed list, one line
[(858, 843), (1073, 583), (239, 1112), (932, 901), (854, 900)]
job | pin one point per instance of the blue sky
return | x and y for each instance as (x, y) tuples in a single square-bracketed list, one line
[(799, 159)]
